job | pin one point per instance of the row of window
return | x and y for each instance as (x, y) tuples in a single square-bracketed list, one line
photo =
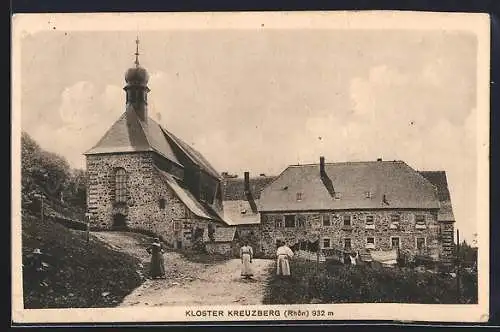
[(370, 243), (293, 220), (337, 195)]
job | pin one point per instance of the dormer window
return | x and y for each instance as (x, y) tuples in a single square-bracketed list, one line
[(337, 196), (243, 211), (368, 194), (299, 197)]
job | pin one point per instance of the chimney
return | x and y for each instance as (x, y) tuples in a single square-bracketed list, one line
[(327, 182), (379, 159), (247, 182), (248, 193)]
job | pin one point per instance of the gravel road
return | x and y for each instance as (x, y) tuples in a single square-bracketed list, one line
[(190, 283)]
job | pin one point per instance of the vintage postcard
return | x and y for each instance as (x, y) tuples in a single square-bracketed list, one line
[(187, 167)]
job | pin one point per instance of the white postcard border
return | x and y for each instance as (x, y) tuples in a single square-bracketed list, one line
[(478, 24)]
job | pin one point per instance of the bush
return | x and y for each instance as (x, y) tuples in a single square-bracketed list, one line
[(333, 283)]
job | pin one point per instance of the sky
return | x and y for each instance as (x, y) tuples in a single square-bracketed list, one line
[(260, 100)]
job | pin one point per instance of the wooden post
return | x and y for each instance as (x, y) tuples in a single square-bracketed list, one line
[(457, 264), (317, 254), (41, 197), (87, 233)]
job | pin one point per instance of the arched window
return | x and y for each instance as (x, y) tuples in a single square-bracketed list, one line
[(121, 185)]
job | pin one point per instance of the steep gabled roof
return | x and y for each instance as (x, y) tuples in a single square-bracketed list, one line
[(224, 234), (195, 156), (440, 181), (240, 213), (130, 134), (234, 188), (184, 195), (402, 187)]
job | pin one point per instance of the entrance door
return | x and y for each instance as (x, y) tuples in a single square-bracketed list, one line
[(119, 221)]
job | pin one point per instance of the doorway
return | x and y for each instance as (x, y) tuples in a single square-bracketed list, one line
[(119, 221)]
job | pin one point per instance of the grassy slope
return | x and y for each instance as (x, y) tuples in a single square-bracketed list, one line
[(78, 273), (362, 284)]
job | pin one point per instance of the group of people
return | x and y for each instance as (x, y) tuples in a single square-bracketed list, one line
[(283, 256)]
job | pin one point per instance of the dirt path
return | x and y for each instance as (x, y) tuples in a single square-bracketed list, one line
[(190, 283)]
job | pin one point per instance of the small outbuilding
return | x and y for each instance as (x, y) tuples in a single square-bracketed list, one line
[(224, 241)]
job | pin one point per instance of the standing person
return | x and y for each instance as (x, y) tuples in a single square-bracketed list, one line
[(284, 254), (246, 254), (157, 267)]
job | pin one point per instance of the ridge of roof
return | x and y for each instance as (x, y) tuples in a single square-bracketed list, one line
[(233, 188), (195, 156), (348, 163)]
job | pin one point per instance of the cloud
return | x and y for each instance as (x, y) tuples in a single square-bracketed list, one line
[(87, 111), (402, 117)]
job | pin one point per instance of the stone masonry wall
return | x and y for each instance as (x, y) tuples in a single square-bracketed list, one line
[(224, 248), (447, 232), (311, 228), (143, 209), (252, 233)]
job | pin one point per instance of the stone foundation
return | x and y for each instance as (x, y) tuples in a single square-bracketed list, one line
[(151, 205), (311, 227)]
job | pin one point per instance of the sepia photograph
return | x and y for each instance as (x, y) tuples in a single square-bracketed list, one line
[(250, 166)]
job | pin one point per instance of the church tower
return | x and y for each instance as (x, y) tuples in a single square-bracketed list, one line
[(142, 177), (137, 88)]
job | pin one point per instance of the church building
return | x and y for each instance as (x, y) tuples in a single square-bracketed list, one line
[(142, 177)]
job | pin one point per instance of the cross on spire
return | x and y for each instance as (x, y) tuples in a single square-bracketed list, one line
[(137, 52)]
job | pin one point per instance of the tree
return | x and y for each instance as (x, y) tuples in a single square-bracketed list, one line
[(50, 174), (75, 192), (467, 254)]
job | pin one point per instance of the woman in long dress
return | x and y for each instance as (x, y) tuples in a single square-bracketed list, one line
[(284, 254), (157, 266), (246, 254)]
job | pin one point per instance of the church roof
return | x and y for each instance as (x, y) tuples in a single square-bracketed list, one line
[(130, 134), (195, 156), (187, 198)]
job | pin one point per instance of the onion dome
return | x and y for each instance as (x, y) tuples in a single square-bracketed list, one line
[(137, 76)]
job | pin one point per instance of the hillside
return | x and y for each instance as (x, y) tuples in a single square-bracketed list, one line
[(76, 273)]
